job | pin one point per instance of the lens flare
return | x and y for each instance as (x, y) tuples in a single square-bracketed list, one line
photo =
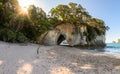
[(24, 4)]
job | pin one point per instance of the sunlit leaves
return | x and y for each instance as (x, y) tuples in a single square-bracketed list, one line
[(30, 26)]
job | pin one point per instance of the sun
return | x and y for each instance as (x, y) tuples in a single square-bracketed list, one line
[(24, 4)]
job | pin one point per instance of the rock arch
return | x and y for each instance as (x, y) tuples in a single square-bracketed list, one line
[(60, 39), (68, 32)]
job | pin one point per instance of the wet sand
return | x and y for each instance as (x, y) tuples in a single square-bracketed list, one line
[(38, 59)]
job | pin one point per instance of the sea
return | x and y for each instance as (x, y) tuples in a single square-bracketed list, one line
[(110, 49)]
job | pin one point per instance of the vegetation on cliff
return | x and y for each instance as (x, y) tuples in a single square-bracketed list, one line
[(75, 14), (18, 26)]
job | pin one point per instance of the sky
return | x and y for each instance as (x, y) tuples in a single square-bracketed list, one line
[(107, 10)]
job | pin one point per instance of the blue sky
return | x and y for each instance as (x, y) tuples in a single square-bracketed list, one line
[(107, 10)]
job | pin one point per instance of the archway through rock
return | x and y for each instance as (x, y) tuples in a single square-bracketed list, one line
[(61, 40)]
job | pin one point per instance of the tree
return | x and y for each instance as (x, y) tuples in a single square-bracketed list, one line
[(71, 13), (75, 14), (19, 25), (8, 11), (32, 24), (39, 20)]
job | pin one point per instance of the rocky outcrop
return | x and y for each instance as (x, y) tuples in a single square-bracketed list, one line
[(99, 41), (68, 32)]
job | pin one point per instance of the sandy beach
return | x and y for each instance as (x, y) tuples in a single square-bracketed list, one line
[(38, 59)]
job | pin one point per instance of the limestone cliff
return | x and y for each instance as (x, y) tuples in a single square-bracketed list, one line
[(69, 33)]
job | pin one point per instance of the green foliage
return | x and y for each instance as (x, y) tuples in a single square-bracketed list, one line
[(11, 36), (15, 27), (20, 37), (0, 5), (7, 35), (71, 13), (40, 22), (75, 14), (90, 34)]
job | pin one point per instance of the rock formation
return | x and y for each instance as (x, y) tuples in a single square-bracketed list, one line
[(69, 33)]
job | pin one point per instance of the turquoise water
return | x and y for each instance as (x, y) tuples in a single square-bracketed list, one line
[(111, 49), (113, 45)]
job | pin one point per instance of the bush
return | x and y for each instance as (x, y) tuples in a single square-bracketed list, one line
[(7, 35), (11, 36), (21, 37)]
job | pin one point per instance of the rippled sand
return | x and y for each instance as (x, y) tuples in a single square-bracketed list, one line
[(35, 59)]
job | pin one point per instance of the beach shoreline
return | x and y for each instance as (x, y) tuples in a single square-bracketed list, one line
[(31, 58)]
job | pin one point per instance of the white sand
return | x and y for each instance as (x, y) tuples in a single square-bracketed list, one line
[(23, 59)]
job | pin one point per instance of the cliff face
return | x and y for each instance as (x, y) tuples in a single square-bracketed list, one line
[(68, 32), (99, 41)]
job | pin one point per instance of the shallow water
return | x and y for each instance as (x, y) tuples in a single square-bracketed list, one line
[(111, 49)]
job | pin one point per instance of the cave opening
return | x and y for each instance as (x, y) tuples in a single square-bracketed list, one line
[(62, 40)]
